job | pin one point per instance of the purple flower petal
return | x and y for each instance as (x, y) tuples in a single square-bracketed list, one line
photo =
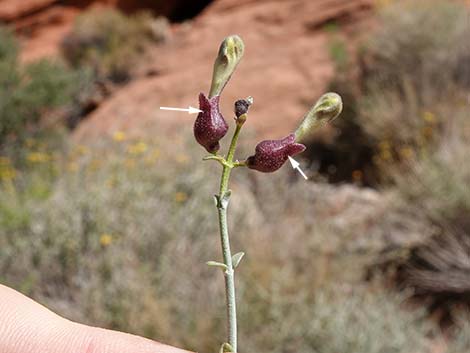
[(210, 125), (270, 155)]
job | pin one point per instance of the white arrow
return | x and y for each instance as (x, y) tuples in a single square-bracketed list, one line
[(296, 165), (190, 110)]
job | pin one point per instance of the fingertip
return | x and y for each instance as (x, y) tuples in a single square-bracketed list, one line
[(28, 327), (98, 340)]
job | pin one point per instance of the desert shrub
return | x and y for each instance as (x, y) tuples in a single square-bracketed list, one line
[(110, 42), (438, 180), (404, 84), (30, 94), (419, 43), (337, 319), (435, 187), (461, 339), (405, 131), (8, 48), (413, 77)]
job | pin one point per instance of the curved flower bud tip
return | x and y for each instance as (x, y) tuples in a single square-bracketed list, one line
[(210, 125), (326, 109), (230, 52), (270, 155)]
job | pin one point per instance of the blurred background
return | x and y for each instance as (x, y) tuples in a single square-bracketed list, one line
[(106, 212)]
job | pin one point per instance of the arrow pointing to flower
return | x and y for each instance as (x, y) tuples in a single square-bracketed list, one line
[(296, 165), (190, 110)]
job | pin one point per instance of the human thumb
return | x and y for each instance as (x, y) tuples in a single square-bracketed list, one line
[(28, 327)]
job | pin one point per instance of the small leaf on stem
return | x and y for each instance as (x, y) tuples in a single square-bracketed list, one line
[(224, 199), (226, 348), (217, 264), (237, 258)]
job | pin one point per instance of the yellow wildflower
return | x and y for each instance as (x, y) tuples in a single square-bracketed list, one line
[(129, 163), (94, 165), (111, 182), (382, 3), (4, 160), (38, 157), (427, 132), (386, 155), (72, 166), (429, 117), (406, 152), (384, 145), (82, 150), (181, 158), (105, 239), (181, 197), (137, 148), (119, 136), (152, 157), (7, 173)]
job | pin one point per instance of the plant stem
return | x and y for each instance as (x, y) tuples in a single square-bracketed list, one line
[(229, 274)]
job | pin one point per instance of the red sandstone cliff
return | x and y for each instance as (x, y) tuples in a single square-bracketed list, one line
[(285, 68)]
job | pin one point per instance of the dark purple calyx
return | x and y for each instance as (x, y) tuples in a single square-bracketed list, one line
[(270, 155), (242, 106), (210, 125)]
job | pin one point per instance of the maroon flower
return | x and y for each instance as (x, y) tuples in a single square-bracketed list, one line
[(210, 125), (270, 155)]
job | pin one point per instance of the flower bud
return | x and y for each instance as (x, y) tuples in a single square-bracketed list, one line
[(270, 155), (327, 108), (230, 53), (242, 106), (210, 125)]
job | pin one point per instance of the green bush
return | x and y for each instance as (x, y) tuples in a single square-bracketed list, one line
[(434, 187), (8, 48), (110, 42), (30, 94)]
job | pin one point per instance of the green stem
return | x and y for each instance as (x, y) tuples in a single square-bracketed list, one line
[(229, 279), (229, 274)]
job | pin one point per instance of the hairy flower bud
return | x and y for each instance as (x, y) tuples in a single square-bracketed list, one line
[(242, 106), (230, 52), (327, 108), (210, 125), (270, 155)]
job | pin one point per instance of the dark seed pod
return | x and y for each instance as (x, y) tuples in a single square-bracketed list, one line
[(210, 125), (270, 155)]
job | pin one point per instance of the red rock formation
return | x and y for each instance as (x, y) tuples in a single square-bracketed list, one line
[(43, 23), (286, 66)]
